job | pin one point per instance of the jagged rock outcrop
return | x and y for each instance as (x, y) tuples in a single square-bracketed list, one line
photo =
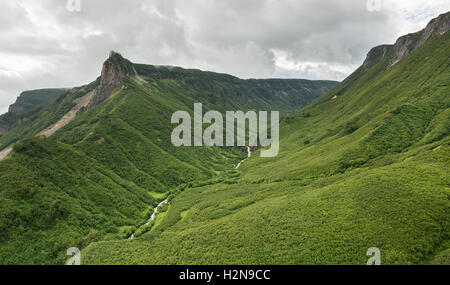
[(375, 55), (114, 70), (408, 43)]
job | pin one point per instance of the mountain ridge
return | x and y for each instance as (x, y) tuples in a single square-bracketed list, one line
[(284, 94), (408, 43)]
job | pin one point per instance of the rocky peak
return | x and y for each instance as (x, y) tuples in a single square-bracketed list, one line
[(408, 43), (114, 70), (375, 55)]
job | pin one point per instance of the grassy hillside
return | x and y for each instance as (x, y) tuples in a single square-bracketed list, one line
[(365, 165), (54, 197)]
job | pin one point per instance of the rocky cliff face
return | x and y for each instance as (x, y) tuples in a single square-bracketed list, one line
[(375, 55), (408, 43), (114, 70)]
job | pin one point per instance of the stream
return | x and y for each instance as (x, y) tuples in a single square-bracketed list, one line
[(152, 217), (249, 151)]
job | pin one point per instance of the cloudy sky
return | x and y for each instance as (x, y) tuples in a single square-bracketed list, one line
[(46, 44)]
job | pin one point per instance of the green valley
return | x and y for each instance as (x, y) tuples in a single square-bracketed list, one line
[(363, 163)]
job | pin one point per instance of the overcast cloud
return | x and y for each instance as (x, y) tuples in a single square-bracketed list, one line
[(45, 45)]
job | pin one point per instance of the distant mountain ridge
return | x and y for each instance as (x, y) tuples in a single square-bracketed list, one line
[(116, 68), (226, 91), (27, 104)]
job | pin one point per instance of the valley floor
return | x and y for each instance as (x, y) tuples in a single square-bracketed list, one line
[(332, 220)]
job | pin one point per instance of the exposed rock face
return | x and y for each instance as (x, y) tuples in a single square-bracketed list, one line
[(16, 109), (114, 70), (375, 55), (408, 43)]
